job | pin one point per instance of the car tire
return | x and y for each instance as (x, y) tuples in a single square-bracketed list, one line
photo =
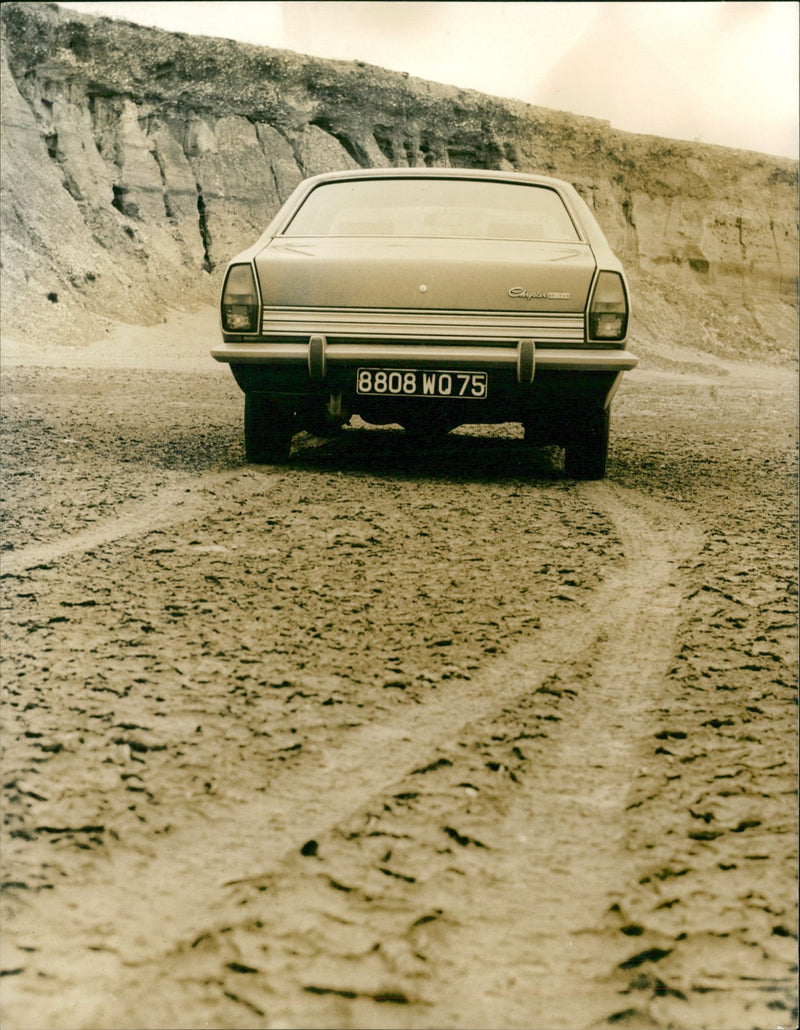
[(268, 430), (586, 454)]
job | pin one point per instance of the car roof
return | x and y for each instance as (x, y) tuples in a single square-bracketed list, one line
[(435, 173)]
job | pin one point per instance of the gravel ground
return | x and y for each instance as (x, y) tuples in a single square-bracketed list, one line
[(391, 738)]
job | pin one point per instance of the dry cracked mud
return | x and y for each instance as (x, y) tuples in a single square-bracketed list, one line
[(391, 737)]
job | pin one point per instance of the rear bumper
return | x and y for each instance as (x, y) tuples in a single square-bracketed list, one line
[(548, 389), (318, 354)]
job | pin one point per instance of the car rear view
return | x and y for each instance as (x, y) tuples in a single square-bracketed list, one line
[(429, 298)]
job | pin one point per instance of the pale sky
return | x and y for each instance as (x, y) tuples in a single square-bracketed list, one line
[(717, 72)]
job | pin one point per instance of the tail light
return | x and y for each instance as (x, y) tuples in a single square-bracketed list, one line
[(240, 301), (608, 312)]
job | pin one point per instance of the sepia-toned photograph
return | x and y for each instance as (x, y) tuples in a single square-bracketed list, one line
[(399, 554)]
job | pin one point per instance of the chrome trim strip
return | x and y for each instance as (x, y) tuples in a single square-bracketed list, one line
[(420, 315), (396, 324), (581, 360)]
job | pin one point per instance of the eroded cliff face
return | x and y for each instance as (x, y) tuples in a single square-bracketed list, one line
[(135, 162)]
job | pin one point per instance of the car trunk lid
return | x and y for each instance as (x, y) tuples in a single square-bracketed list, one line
[(418, 274)]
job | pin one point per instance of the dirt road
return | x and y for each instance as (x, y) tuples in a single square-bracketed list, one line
[(390, 738)]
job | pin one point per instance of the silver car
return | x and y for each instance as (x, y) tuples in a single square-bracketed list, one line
[(429, 298)]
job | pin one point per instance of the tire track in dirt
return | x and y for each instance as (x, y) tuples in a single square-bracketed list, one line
[(174, 504), (599, 661), (562, 898)]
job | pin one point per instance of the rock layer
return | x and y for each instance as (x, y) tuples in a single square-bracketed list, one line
[(136, 162)]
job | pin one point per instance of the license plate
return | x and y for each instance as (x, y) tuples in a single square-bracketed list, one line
[(410, 382)]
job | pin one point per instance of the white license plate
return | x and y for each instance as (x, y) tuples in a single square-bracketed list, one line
[(409, 382)]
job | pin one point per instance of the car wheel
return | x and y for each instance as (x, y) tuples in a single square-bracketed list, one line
[(586, 454), (268, 430)]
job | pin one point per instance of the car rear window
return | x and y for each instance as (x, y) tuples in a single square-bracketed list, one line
[(468, 208)]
